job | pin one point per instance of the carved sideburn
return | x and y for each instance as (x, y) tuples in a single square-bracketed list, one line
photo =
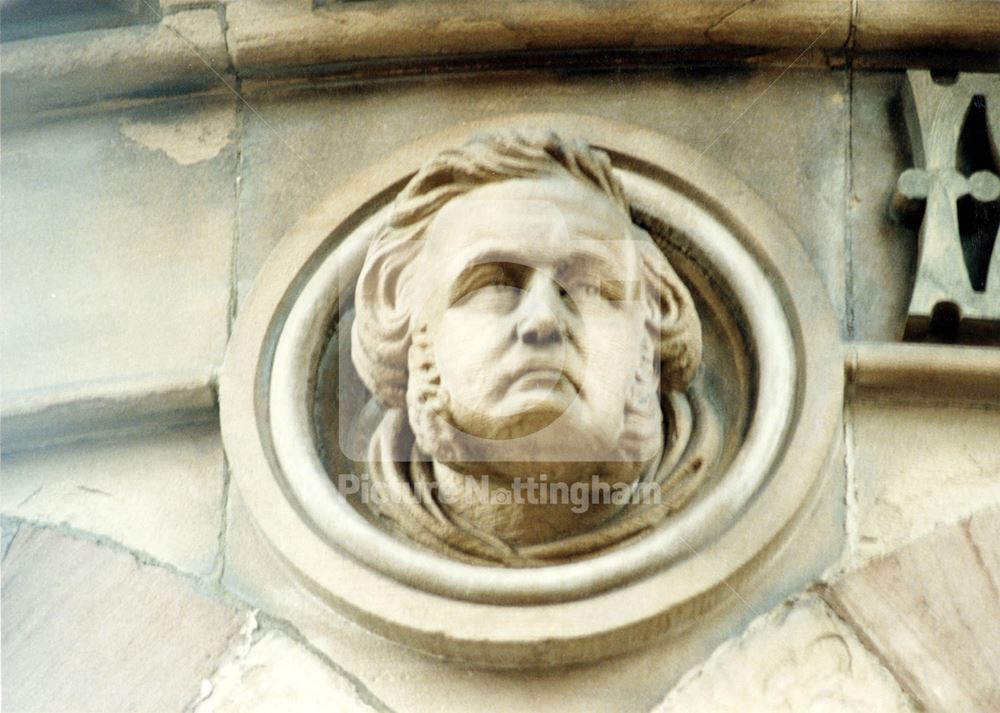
[(953, 195)]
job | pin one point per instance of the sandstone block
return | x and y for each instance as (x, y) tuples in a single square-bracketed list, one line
[(160, 494), (135, 212), (86, 627), (917, 467), (798, 657)]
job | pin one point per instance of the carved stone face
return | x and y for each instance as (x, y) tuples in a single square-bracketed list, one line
[(532, 303)]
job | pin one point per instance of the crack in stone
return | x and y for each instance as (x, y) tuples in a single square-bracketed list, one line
[(237, 647), (94, 491), (14, 528), (211, 587), (219, 565), (828, 600), (33, 494), (142, 559), (725, 16), (290, 630), (966, 526)]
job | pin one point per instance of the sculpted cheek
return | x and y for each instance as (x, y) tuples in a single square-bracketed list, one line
[(466, 349)]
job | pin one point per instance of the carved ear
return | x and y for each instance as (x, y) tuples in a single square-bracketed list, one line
[(673, 320), (380, 337)]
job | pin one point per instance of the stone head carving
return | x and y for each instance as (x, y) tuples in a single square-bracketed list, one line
[(516, 322)]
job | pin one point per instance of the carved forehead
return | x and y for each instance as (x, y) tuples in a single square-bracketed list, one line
[(554, 198), (536, 221)]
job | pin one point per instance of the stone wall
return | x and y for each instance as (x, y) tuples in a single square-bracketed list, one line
[(149, 171)]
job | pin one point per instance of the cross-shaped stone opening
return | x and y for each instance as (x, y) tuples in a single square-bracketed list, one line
[(978, 221)]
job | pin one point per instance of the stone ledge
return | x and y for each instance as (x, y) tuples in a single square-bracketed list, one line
[(50, 417), (890, 370), (264, 37), (927, 25), (184, 52), (925, 371)]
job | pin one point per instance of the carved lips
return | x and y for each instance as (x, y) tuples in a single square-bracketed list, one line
[(537, 374)]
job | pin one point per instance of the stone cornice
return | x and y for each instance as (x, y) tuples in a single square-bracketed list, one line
[(927, 372), (197, 46), (79, 412)]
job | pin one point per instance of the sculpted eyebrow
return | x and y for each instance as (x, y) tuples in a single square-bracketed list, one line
[(592, 264), (481, 274)]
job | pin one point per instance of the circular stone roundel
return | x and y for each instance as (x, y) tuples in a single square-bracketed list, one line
[(472, 417)]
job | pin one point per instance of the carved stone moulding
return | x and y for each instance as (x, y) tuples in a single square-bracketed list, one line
[(772, 374)]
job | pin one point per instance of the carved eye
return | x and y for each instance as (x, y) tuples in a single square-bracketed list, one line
[(489, 285), (581, 286), (592, 289), (500, 278), (504, 274), (615, 290)]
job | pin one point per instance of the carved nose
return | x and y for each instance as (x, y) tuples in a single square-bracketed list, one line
[(540, 323)]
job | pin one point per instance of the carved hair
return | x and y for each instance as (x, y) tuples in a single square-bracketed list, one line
[(382, 333)]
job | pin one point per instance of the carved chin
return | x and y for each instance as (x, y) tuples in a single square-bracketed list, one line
[(446, 436), (531, 418), (442, 437)]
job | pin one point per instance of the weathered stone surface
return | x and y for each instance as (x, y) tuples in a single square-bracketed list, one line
[(86, 627), (931, 611), (185, 51), (798, 657), (260, 32), (135, 212), (161, 494), (884, 24), (916, 467), (339, 31), (106, 409), (276, 674), (739, 119)]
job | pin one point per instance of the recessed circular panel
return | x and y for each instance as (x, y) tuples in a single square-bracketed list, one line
[(775, 386)]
